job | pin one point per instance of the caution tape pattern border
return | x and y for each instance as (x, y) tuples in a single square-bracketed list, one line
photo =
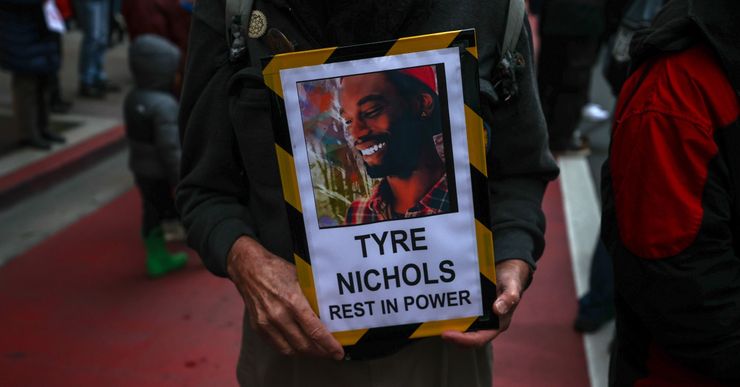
[(478, 168)]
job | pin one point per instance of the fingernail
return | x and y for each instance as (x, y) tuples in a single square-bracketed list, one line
[(501, 307)]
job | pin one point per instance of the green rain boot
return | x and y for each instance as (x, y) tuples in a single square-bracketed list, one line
[(159, 261)]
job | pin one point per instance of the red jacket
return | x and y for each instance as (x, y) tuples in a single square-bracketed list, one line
[(65, 8), (671, 220)]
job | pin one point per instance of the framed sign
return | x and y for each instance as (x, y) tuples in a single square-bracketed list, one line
[(381, 149)]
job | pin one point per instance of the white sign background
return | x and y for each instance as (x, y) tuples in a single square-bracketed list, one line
[(448, 236)]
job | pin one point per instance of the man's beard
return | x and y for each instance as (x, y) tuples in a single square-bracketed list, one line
[(403, 150)]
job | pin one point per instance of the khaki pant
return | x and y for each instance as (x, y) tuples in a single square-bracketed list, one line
[(426, 363)]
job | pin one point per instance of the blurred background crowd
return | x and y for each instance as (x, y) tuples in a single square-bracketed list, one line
[(31, 49)]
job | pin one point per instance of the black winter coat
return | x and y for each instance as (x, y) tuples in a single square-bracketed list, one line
[(26, 45)]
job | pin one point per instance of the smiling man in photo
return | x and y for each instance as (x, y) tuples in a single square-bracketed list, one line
[(391, 119)]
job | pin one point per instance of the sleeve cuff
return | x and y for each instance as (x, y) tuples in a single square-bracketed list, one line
[(220, 240), (514, 244)]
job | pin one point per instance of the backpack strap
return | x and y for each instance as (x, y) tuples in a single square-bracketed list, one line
[(504, 80), (237, 18), (515, 18)]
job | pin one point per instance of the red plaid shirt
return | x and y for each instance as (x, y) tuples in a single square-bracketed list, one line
[(375, 207)]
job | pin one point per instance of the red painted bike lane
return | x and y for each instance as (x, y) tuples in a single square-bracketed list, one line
[(77, 310)]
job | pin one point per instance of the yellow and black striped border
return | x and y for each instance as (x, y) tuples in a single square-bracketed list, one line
[(373, 338)]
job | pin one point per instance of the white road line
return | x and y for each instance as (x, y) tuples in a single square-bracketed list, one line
[(582, 217)]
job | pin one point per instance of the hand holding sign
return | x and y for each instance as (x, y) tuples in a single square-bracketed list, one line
[(276, 306), (512, 279)]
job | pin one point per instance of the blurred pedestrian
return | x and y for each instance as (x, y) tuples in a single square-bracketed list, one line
[(58, 104), (671, 198), (93, 16), (29, 48), (187, 5), (166, 18), (596, 307), (117, 31), (626, 18), (571, 32), (150, 113), (65, 9)]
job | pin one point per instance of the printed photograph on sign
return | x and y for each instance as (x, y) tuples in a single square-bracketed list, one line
[(379, 145)]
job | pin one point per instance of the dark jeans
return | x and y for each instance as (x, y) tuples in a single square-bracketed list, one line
[(94, 19), (601, 279), (599, 301), (31, 104), (157, 203), (564, 77)]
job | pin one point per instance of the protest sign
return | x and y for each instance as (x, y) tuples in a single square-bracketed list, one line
[(381, 151)]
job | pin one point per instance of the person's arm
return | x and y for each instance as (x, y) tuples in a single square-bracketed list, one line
[(519, 168), (213, 196), (213, 190)]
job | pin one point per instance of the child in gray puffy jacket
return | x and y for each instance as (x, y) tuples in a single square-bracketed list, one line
[(150, 113)]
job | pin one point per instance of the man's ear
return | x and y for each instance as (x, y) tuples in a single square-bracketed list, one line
[(426, 104)]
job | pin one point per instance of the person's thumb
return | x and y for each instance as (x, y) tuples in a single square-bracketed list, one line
[(507, 300)]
